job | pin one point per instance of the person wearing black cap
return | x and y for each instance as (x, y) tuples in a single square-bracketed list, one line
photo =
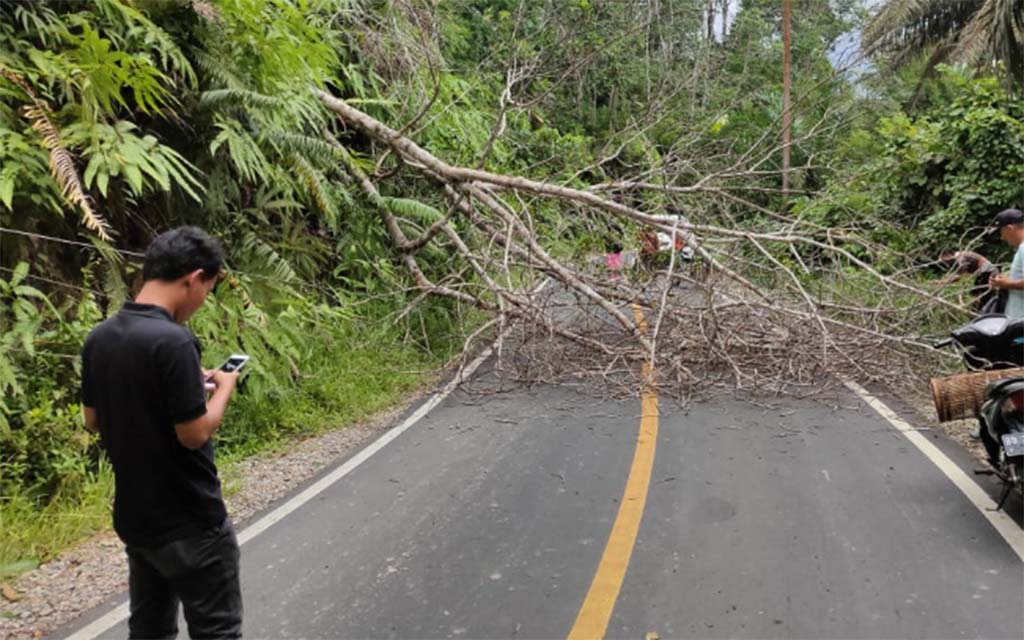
[(1010, 224)]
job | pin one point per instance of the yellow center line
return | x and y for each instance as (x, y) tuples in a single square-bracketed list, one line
[(592, 620)]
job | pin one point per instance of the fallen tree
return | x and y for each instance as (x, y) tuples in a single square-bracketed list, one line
[(780, 307)]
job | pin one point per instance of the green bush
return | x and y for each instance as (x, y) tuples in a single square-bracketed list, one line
[(933, 179)]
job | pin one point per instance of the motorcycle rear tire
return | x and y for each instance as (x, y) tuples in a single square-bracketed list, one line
[(991, 446)]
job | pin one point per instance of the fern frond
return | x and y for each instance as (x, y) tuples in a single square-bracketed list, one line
[(305, 111), (312, 148), (214, 67), (43, 22), (62, 164), (137, 28), (413, 209), (244, 153), (236, 98), (105, 249), (263, 258), (8, 383), (205, 10), (114, 286), (314, 182)]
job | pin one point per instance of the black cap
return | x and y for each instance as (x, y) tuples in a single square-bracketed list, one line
[(1008, 216)]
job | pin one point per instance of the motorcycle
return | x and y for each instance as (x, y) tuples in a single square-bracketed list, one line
[(1002, 432), (993, 342), (990, 342)]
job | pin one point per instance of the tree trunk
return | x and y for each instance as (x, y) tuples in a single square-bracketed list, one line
[(786, 115), (711, 21)]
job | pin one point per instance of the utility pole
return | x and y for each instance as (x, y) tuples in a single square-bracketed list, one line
[(786, 116)]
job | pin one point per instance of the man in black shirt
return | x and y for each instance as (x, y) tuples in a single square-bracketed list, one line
[(143, 390)]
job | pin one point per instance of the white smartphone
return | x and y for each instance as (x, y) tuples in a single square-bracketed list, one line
[(234, 363)]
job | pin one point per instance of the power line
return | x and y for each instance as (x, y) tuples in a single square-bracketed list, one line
[(136, 254), (76, 243), (57, 282)]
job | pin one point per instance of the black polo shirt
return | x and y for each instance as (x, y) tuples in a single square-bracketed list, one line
[(141, 373)]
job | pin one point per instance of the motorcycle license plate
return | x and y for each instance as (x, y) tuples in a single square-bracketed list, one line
[(1013, 444)]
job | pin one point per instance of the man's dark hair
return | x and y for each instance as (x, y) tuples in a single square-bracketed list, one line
[(181, 251)]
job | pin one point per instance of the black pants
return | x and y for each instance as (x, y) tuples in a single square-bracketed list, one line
[(201, 573)]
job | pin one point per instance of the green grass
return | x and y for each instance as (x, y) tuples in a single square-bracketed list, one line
[(31, 533)]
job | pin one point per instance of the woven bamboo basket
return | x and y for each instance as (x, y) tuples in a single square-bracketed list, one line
[(961, 396)]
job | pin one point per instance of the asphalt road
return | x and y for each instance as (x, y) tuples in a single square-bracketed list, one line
[(489, 517)]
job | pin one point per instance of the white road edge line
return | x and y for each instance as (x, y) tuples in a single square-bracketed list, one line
[(1002, 522), (108, 620)]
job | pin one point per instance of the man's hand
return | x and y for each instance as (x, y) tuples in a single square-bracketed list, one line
[(89, 417), (1005, 282), (223, 381), (195, 433), (207, 382)]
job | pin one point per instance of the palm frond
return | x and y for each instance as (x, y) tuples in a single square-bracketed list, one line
[(975, 32), (915, 25), (973, 43), (1007, 35)]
